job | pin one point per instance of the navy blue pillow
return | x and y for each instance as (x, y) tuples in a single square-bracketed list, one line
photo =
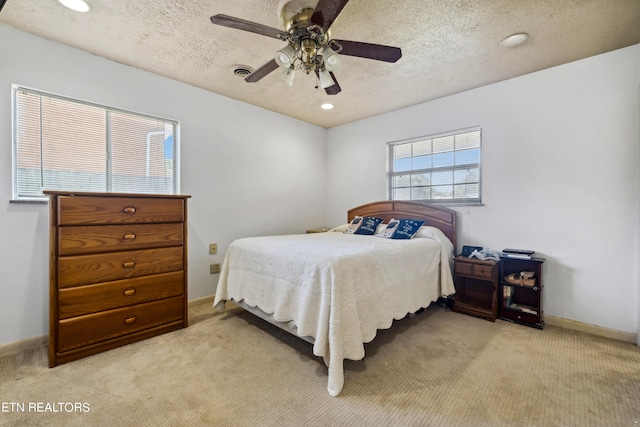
[(407, 228), (368, 226)]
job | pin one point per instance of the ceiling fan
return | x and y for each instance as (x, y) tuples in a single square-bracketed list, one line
[(310, 47)]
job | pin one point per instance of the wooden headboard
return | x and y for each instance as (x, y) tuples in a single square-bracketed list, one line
[(435, 216)]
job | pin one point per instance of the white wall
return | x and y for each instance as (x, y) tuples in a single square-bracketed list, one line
[(560, 176), (244, 178), (560, 171)]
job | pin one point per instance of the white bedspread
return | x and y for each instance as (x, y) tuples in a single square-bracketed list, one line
[(337, 288)]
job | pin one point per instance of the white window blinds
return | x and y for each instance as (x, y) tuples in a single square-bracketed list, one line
[(65, 144), (443, 168)]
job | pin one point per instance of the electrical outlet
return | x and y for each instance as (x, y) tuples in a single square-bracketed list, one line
[(214, 268), (213, 248)]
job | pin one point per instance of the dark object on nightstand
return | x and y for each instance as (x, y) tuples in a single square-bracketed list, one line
[(521, 290), (477, 285), (468, 250)]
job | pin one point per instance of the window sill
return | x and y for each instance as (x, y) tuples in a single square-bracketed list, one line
[(30, 201)]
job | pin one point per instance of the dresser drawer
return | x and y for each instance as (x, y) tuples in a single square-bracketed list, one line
[(92, 328), (77, 270), (89, 210), (519, 316), (109, 238), (106, 296)]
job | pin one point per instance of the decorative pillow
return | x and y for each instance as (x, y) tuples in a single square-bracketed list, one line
[(388, 231), (368, 226), (380, 228), (407, 228), (355, 223)]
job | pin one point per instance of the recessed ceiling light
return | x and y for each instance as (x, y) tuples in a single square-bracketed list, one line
[(77, 5), (326, 106), (514, 40)]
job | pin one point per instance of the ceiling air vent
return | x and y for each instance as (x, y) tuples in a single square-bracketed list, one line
[(242, 71)]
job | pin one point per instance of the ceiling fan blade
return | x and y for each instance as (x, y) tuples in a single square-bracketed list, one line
[(241, 24), (326, 12), (2, 2), (262, 71), (335, 89), (370, 51)]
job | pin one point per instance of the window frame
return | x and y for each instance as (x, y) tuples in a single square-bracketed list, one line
[(391, 173), (108, 111)]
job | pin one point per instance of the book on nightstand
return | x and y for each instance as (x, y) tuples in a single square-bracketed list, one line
[(517, 253), (507, 295)]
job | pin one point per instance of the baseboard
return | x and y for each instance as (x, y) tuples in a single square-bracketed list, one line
[(43, 340), (591, 329), (199, 301)]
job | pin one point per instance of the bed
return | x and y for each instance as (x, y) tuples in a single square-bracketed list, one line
[(334, 289)]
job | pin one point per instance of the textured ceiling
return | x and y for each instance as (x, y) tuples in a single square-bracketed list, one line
[(448, 46)]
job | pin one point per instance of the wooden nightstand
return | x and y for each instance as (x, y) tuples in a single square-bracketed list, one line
[(317, 230), (477, 284)]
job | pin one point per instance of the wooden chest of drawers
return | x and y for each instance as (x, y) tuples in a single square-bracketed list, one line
[(118, 270)]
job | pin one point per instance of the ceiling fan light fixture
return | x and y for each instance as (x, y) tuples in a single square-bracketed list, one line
[(325, 79), (513, 40), (331, 59), (285, 56), (76, 5), (287, 76)]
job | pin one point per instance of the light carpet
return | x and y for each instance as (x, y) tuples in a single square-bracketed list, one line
[(437, 368)]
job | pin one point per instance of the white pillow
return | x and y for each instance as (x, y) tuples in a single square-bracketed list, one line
[(340, 228), (387, 231), (355, 223)]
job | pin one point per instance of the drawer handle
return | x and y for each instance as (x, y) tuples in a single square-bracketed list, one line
[(129, 236), (129, 292), (130, 320), (129, 209), (128, 264)]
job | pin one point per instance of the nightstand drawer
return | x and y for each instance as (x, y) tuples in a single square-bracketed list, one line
[(464, 268), (475, 269), (484, 271)]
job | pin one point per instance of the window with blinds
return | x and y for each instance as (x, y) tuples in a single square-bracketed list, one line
[(443, 168), (66, 144)]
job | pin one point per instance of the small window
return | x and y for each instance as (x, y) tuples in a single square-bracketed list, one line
[(443, 168), (65, 144)]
